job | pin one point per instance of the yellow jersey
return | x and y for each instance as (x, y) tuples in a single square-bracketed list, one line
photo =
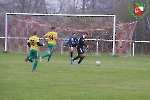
[(33, 42), (52, 36)]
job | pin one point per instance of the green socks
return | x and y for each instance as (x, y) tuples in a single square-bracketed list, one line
[(49, 57), (35, 64), (45, 55)]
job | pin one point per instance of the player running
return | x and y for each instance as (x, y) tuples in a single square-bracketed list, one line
[(33, 43), (72, 42), (52, 37), (80, 50)]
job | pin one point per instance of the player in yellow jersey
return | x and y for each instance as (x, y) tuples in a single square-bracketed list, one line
[(33, 43), (52, 37)]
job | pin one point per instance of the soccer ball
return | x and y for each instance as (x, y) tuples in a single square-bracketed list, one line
[(98, 63)]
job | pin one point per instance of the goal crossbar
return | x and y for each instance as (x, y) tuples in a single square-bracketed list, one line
[(75, 15)]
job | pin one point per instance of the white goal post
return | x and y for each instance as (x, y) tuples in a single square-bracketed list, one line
[(74, 15)]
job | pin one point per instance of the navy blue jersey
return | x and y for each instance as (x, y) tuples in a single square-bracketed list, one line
[(72, 41)]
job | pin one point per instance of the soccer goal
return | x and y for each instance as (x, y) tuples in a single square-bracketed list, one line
[(106, 34)]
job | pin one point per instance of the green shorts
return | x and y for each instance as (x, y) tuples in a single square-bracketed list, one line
[(51, 47), (34, 54)]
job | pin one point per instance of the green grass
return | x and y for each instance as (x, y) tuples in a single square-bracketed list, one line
[(117, 78)]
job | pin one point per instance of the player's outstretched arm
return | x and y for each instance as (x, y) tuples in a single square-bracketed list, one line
[(68, 42), (44, 37), (39, 44)]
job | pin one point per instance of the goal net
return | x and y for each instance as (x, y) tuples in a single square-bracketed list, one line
[(106, 34)]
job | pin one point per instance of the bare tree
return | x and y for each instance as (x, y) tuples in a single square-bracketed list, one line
[(83, 7)]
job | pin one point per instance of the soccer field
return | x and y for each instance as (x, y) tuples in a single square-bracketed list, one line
[(117, 78)]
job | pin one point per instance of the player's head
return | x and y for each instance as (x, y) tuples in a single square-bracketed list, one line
[(85, 34), (34, 32), (53, 28), (73, 34)]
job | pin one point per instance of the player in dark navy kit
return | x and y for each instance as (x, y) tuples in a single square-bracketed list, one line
[(80, 50), (72, 42)]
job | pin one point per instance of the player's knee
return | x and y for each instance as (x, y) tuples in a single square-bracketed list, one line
[(36, 59), (83, 55), (71, 49), (49, 52)]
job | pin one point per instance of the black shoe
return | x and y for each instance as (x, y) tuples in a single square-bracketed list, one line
[(33, 70), (26, 59)]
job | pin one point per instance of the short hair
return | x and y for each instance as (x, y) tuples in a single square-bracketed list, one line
[(73, 33), (86, 33), (53, 28), (34, 32)]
